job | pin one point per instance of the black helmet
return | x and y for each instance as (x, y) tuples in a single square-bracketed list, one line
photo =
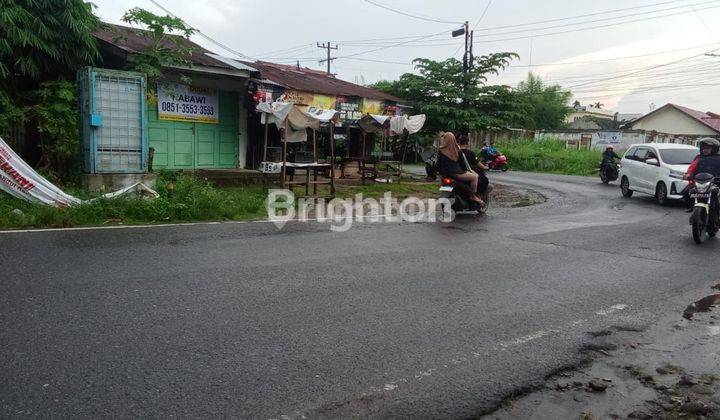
[(710, 142)]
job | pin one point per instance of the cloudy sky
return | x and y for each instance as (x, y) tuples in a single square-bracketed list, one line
[(629, 55)]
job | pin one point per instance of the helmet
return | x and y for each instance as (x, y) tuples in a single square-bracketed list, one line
[(609, 147), (710, 142)]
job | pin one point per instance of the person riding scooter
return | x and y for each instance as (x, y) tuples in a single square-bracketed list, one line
[(449, 164), (488, 152), (708, 161), (608, 156), (476, 166)]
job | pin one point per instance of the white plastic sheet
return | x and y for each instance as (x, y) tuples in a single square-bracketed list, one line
[(297, 120), (18, 179)]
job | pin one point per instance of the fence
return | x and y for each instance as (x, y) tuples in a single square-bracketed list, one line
[(479, 138)]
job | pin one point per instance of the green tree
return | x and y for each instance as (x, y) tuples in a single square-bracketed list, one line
[(40, 39), (540, 106), (170, 46), (453, 99), (42, 44)]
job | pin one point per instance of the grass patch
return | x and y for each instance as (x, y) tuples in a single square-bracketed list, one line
[(194, 200), (549, 156)]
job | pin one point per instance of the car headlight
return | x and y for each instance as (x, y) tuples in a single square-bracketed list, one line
[(702, 186), (677, 174)]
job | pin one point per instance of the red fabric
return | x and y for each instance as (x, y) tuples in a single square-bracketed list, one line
[(691, 169)]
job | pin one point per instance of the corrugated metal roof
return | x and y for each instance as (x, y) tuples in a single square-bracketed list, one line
[(315, 81), (134, 40), (234, 63)]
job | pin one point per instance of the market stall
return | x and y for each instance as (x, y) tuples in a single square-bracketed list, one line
[(295, 122), (388, 126)]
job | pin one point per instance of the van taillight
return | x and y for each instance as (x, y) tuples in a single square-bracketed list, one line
[(447, 181)]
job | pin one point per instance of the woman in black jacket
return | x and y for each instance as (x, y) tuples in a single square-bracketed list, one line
[(449, 164)]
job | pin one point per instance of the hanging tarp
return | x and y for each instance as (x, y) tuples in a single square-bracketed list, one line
[(18, 179), (373, 123), (298, 121), (412, 125)]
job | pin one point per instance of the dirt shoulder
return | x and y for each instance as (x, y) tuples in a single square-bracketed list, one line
[(670, 370)]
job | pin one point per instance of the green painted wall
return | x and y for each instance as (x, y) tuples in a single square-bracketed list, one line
[(185, 145)]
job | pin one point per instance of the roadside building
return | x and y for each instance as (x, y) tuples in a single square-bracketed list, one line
[(581, 113), (200, 124), (314, 89), (677, 124)]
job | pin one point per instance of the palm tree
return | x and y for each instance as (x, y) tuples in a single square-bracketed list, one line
[(598, 105)]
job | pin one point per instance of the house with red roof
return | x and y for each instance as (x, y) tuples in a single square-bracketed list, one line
[(675, 123)]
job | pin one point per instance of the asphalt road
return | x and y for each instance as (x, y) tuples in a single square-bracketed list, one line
[(385, 320)]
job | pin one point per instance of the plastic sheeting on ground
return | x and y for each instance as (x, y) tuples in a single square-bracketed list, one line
[(18, 179)]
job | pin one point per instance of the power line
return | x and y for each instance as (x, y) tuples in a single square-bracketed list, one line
[(578, 16), (391, 46), (593, 27), (565, 25), (669, 87), (327, 47), (567, 63), (482, 16), (692, 6), (642, 70), (219, 44), (410, 14), (439, 44)]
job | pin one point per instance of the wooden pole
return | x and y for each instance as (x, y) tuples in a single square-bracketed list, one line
[(265, 140), (315, 158), (332, 159), (284, 140), (362, 158)]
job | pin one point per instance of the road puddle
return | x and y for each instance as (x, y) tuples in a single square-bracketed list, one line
[(703, 305)]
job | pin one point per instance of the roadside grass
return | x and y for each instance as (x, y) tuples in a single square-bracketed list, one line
[(193, 200), (549, 156)]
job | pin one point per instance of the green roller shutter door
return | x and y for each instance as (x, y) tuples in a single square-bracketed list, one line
[(185, 145)]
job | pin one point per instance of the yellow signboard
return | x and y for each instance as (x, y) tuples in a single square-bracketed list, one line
[(323, 101), (371, 106)]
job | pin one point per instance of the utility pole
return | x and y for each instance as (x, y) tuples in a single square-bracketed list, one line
[(327, 47)]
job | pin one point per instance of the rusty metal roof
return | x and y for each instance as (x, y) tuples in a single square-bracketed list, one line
[(315, 81), (134, 40)]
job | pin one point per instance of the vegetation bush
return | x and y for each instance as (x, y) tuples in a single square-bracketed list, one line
[(549, 156)]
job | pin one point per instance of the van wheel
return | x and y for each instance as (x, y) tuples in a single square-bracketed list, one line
[(661, 193), (625, 187)]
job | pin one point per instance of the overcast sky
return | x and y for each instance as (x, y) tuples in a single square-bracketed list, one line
[(287, 30)]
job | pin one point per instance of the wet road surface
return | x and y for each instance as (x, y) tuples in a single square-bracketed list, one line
[(385, 320)]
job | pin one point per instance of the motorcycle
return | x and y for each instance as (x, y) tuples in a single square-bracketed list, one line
[(497, 162), (608, 171), (459, 205), (705, 217)]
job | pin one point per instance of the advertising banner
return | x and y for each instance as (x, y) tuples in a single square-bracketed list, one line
[(187, 103), (18, 179), (323, 101), (372, 107), (349, 110), (297, 97)]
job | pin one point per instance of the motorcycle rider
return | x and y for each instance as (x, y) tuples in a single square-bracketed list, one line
[(476, 166), (707, 161), (449, 165), (489, 151), (608, 156)]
